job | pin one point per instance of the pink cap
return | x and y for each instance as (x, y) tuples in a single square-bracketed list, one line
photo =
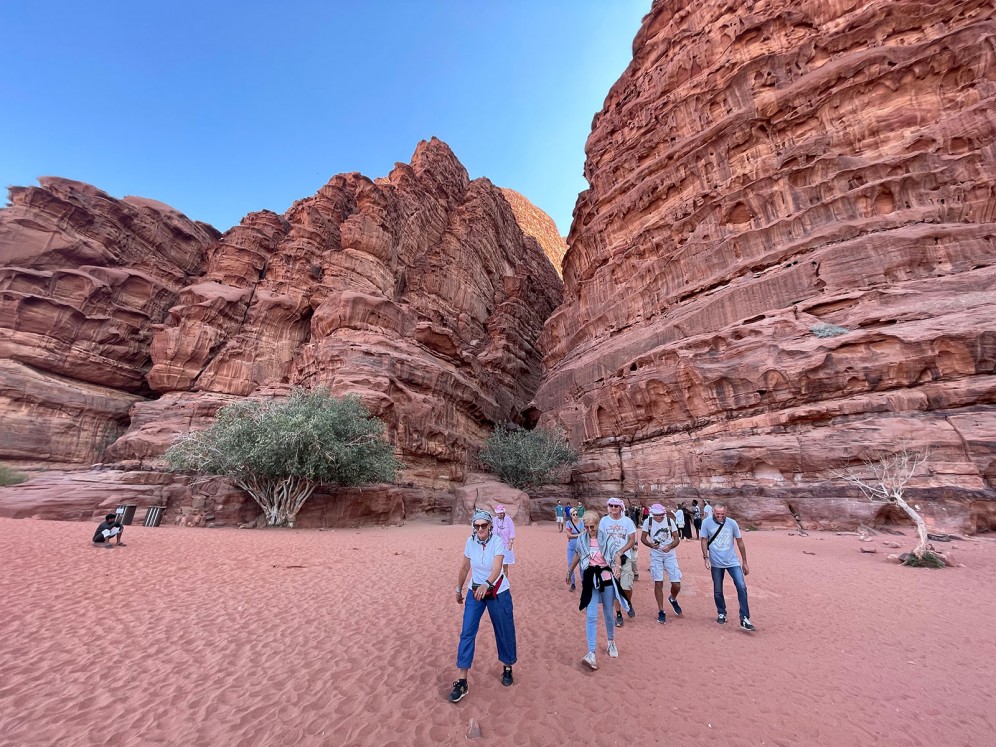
[(500, 508), (613, 501), (658, 509)]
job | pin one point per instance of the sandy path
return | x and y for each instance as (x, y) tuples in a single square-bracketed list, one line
[(225, 636)]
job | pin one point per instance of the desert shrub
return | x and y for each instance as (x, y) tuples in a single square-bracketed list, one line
[(929, 560), (279, 451), (527, 459), (10, 477), (828, 330)]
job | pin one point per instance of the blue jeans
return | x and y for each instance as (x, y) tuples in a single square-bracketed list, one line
[(737, 574), (570, 554), (500, 610), (605, 597)]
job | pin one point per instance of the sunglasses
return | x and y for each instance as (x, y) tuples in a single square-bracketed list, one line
[(481, 526)]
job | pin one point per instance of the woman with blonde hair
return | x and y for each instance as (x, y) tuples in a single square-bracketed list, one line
[(598, 585)]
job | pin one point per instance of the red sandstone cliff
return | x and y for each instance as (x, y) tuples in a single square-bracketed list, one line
[(760, 169), (418, 291), (534, 222), (83, 280)]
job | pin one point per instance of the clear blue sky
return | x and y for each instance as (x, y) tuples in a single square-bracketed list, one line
[(219, 109)]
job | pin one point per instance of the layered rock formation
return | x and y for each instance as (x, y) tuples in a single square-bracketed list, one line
[(762, 169), (534, 222), (420, 292), (84, 278)]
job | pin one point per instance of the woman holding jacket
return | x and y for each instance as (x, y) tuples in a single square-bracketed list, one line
[(598, 585)]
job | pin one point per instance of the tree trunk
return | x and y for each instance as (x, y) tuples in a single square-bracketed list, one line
[(921, 528), (280, 499)]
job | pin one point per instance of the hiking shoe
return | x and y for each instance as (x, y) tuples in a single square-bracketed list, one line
[(721, 619), (506, 677), (631, 612), (746, 624), (459, 691), (589, 659), (662, 618), (675, 606), (613, 651), (619, 620)]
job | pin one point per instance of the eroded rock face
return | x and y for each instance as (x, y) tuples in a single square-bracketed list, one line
[(420, 292), (759, 170), (83, 279)]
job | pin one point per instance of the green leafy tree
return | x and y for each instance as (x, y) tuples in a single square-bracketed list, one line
[(279, 451), (527, 459)]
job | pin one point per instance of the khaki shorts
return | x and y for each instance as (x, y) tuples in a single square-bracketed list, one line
[(626, 575)]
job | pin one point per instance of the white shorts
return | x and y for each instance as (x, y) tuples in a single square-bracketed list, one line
[(560, 519), (659, 562)]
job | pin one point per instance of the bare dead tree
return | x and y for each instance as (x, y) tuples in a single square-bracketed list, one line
[(884, 479)]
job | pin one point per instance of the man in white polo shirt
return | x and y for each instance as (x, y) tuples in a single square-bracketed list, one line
[(622, 536)]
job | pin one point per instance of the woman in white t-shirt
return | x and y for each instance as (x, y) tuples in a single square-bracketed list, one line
[(482, 560)]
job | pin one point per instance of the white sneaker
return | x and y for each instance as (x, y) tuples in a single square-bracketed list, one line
[(589, 659), (613, 651)]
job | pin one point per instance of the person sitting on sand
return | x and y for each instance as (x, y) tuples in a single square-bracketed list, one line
[(573, 532), (593, 551), (661, 535), (718, 533), (109, 527), (482, 558), (505, 528)]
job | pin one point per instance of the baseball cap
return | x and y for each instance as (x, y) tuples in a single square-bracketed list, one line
[(658, 509), (500, 508), (613, 501)]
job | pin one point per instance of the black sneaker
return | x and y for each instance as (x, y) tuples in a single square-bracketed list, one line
[(459, 691), (631, 611), (721, 619), (746, 624), (619, 620), (506, 677), (662, 618), (675, 606)]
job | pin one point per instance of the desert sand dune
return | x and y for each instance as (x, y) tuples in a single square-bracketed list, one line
[(348, 637)]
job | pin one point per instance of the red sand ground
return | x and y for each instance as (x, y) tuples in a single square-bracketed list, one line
[(226, 636)]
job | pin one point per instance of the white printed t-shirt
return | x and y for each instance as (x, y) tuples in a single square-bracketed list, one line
[(618, 530), (660, 531)]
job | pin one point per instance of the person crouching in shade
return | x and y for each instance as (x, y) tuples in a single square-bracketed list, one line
[(108, 529), (482, 559)]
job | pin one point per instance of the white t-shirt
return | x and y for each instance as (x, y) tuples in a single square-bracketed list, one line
[(482, 559), (707, 510), (660, 531), (679, 517), (618, 530)]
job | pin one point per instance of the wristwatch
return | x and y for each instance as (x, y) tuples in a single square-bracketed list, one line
[(490, 585)]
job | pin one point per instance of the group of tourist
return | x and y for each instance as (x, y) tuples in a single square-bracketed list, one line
[(604, 550)]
